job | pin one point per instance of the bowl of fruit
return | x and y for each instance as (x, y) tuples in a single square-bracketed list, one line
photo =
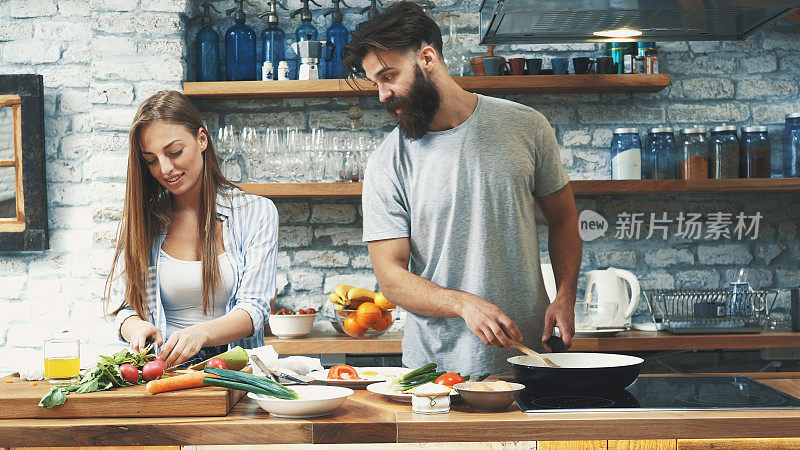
[(362, 313), (286, 323)]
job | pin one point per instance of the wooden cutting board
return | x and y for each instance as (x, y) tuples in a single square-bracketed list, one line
[(20, 399)]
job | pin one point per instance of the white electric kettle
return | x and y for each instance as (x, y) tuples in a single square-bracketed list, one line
[(606, 288)]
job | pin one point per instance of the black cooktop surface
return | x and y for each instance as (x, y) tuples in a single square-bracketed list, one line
[(668, 393)]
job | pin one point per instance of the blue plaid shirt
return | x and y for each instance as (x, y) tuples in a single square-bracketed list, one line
[(250, 233)]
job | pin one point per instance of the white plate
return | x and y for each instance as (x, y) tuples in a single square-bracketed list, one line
[(314, 401), (648, 326), (383, 374), (603, 332), (383, 388)]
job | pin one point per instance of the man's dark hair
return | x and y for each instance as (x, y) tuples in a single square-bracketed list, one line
[(402, 27)]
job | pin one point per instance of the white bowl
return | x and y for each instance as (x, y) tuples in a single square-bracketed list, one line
[(488, 400), (314, 401), (291, 326)]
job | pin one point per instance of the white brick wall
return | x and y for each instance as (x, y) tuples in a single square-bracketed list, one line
[(99, 59)]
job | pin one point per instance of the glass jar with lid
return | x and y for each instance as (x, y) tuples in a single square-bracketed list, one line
[(659, 157), (626, 154), (791, 146), (723, 158), (693, 154), (754, 153)]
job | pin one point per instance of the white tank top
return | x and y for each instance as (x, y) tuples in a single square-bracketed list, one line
[(181, 286)]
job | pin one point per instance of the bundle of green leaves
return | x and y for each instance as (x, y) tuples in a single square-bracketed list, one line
[(102, 376)]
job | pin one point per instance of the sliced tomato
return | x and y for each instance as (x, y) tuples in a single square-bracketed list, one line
[(343, 372), (449, 379)]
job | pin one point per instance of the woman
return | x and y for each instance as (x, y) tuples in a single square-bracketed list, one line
[(195, 263)]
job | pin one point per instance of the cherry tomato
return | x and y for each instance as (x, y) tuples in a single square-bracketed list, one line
[(301, 311), (449, 379), (217, 363), (343, 372), (311, 311)]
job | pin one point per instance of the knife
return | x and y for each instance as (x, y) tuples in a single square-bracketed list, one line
[(264, 368)]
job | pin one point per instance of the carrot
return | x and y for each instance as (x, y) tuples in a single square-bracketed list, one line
[(185, 381)]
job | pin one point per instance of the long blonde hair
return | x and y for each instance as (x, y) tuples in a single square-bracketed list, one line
[(148, 205)]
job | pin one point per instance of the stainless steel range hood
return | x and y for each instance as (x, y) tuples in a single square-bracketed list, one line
[(546, 21)]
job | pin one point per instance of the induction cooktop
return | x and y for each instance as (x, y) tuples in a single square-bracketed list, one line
[(666, 393)]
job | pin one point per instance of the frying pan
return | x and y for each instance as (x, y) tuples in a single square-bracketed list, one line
[(579, 372)]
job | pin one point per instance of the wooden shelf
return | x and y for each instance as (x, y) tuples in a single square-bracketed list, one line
[(524, 84), (628, 341), (579, 187)]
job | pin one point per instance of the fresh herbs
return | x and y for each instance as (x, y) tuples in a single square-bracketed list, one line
[(102, 376)]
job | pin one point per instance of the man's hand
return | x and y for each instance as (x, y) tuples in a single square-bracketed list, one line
[(183, 344), (561, 314), (489, 322)]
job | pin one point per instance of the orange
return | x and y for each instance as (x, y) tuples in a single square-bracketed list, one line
[(352, 326), (383, 303), (367, 314), (384, 322)]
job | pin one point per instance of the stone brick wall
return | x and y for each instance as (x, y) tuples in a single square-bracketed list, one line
[(101, 58)]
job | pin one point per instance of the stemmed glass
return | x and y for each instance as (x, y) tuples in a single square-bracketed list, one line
[(250, 149), (225, 150), (455, 54), (293, 158)]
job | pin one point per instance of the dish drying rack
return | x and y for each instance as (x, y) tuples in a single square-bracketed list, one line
[(710, 311)]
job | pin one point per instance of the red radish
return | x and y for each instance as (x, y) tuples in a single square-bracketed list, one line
[(129, 373), (217, 362), (154, 369)]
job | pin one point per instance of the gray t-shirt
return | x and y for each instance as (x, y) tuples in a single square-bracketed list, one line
[(465, 199)]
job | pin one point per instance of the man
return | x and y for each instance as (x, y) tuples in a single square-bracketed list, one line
[(448, 205)]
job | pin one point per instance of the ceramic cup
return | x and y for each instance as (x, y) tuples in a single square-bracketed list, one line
[(605, 64), (582, 65), (517, 66), (534, 66), (494, 65), (560, 66)]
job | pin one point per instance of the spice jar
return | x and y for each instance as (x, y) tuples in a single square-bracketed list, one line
[(754, 153), (723, 161), (693, 154), (626, 154), (791, 146), (659, 157)]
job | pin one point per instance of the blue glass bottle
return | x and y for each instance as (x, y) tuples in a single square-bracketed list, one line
[(660, 155), (207, 44), (274, 38), (240, 47), (626, 154), (306, 31), (338, 34), (791, 146)]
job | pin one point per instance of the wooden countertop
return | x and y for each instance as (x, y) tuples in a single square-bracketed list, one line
[(327, 343), (368, 417)]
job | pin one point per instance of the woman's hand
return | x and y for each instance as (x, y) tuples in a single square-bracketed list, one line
[(183, 344), (138, 332)]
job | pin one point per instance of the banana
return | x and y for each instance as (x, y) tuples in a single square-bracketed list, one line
[(338, 307), (342, 289), (365, 295), (335, 299)]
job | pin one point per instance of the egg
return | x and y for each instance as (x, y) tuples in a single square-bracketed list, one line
[(479, 387), (501, 385)]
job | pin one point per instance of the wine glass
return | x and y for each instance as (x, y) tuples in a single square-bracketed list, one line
[(455, 54), (250, 149), (225, 150)]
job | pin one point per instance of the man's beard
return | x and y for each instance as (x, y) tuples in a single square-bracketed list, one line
[(418, 109)]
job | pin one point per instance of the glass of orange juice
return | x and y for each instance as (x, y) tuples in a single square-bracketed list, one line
[(61, 360)]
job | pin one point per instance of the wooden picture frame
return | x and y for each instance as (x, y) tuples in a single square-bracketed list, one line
[(28, 230)]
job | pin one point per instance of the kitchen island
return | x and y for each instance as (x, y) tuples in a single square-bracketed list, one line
[(368, 417)]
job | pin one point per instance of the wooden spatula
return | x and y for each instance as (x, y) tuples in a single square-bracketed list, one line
[(535, 354)]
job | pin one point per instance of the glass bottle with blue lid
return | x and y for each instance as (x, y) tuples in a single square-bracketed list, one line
[(660, 155), (791, 146), (626, 154)]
